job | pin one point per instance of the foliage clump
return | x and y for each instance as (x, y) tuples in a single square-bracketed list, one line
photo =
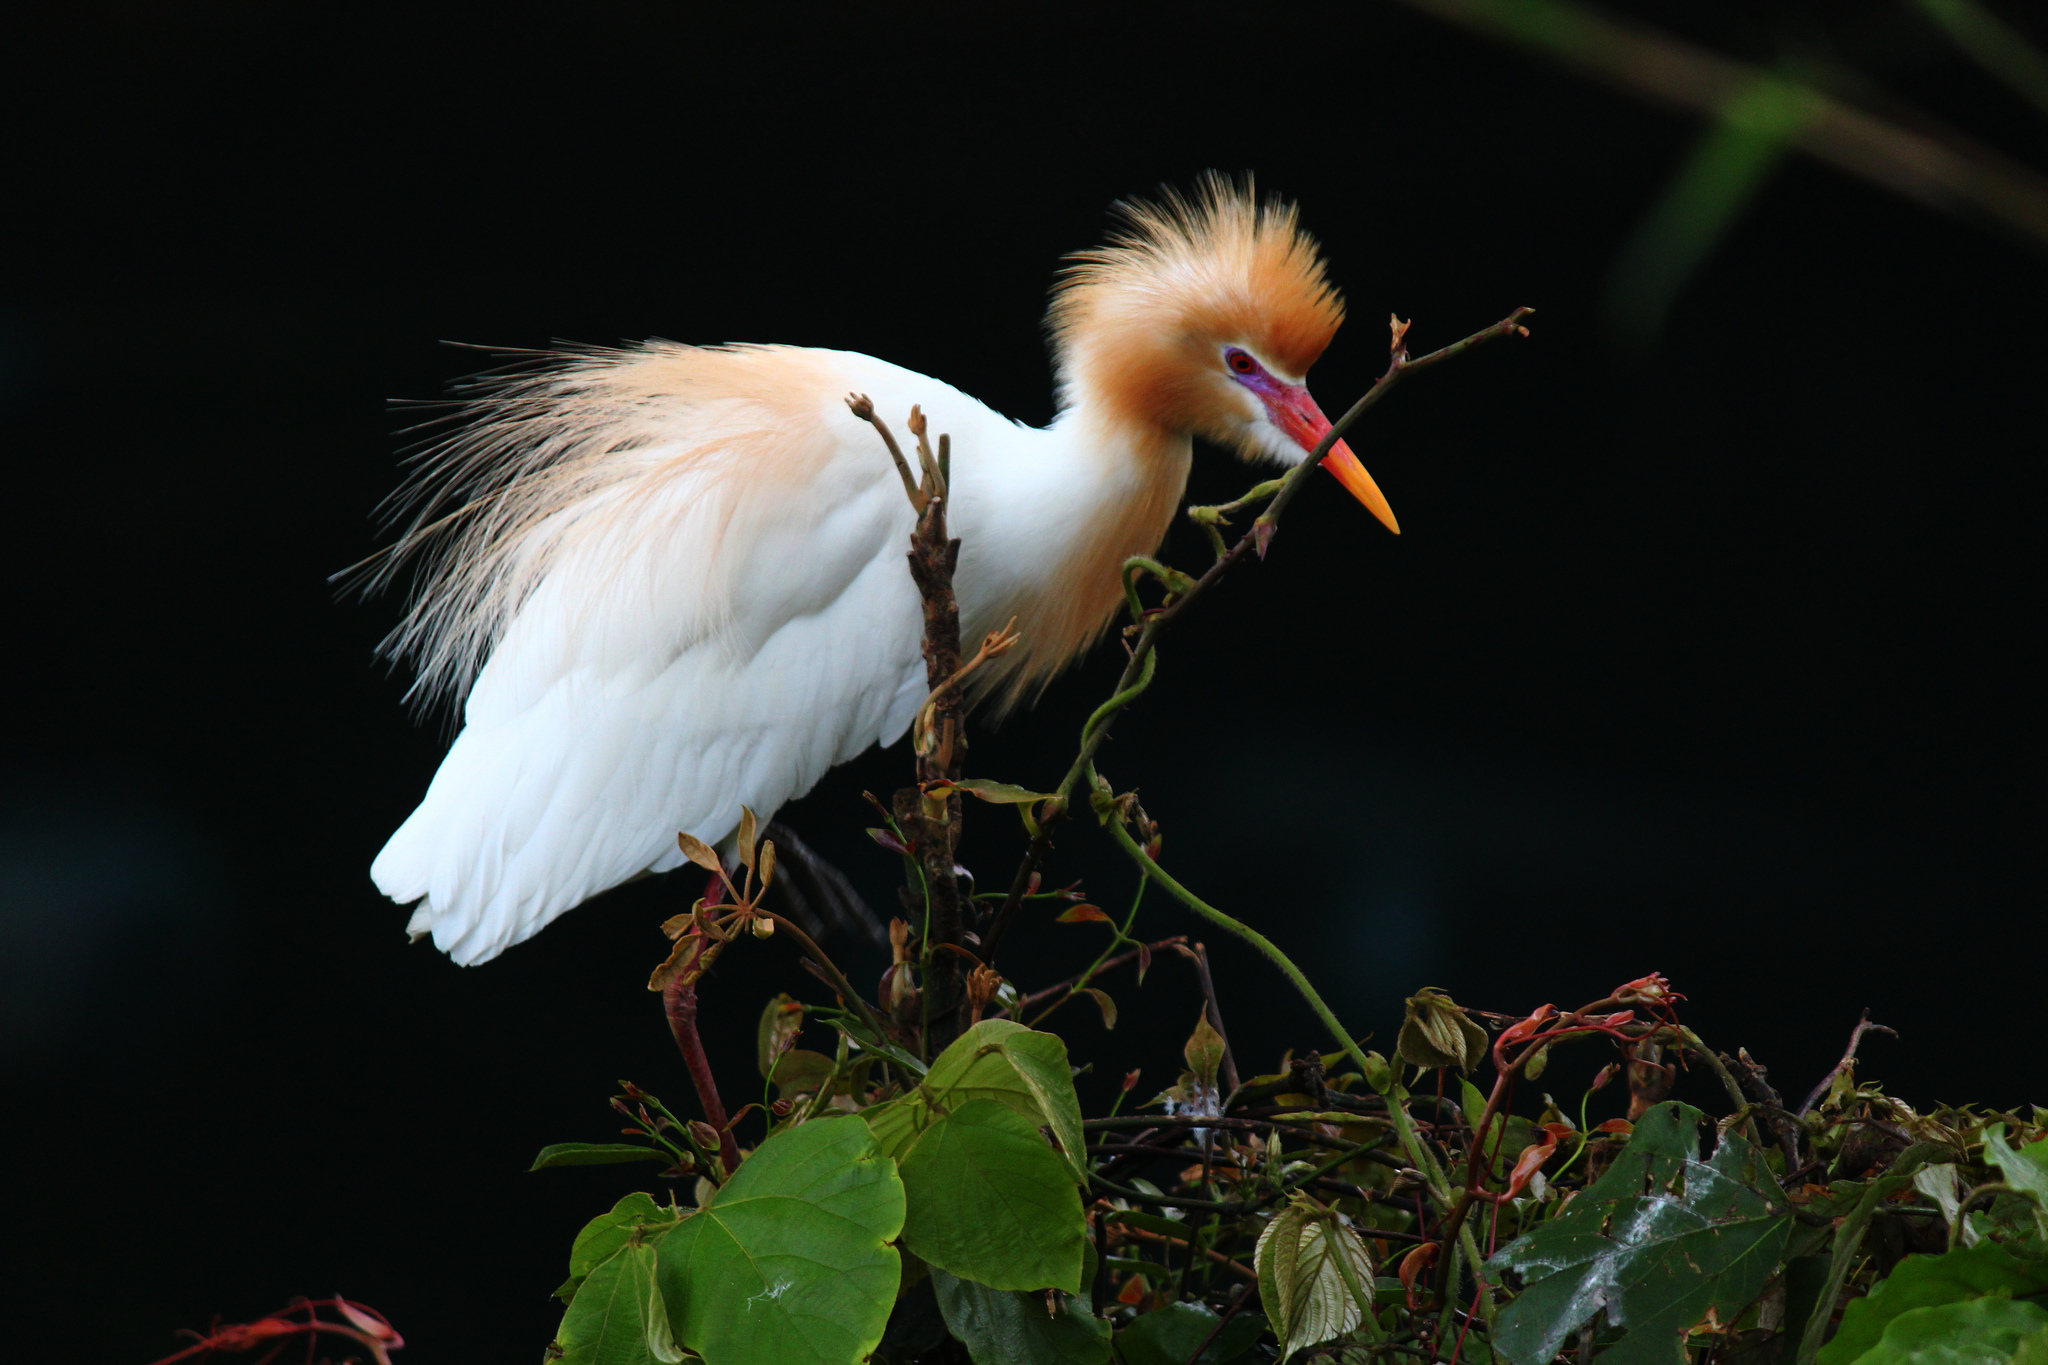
[(928, 1188)]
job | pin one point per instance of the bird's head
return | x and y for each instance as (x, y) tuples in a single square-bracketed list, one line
[(1202, 316)]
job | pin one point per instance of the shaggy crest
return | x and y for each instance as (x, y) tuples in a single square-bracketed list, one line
[(1215, 267)]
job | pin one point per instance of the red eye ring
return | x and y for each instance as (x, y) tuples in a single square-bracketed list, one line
[(1239, 361)]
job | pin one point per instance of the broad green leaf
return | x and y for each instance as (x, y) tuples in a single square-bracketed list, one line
[(789, 1262), (617, 1316), (2031, 1350), (1984, 1331), (1928, 1282), (1657, 1241), (999, 1060), (2025, 1169), (1308, 1263), (606, 1233), (1000, 1327), (1172, 1335), (989, 1200), (594, 1154)]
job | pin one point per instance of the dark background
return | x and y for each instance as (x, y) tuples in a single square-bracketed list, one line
[(1709, 658)]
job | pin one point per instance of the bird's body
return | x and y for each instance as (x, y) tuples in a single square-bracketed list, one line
[(674, 584)]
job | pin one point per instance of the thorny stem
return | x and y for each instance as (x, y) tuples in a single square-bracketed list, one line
[(1123, 935), (1137, 674)]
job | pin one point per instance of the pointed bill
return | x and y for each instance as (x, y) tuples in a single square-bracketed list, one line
[(1296, 413)]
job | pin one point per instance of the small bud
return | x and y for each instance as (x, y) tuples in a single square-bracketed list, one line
[(762, 926), (704, 1135), (780, 1108), (1606, 1074), (1131, 1079)]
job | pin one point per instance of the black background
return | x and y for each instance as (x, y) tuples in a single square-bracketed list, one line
[(1709, 659)]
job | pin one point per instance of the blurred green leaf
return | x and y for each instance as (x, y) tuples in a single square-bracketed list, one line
[(1993, 44), (1656, 1241), (1171, 1336), (990, 1201), (595, 1154), (1731, 162), (789, 1262), (1001, 1327), (1927, 1282)]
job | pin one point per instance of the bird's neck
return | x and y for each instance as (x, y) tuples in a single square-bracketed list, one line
[(1123, 482)]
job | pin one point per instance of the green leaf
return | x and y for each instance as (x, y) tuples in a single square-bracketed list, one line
[(2025, 1170), (801, 1071), (1000, 1327), (2031, 1350), (789, 1262), (603, 1235), (595, 1154), (989, 1200), (1303, 1258), (1657, 1241), (1204, 1052), (1983, 1331), (1171, 1336), (999, 1060), (617, 1316), (1928, 1282), (1000, 793)]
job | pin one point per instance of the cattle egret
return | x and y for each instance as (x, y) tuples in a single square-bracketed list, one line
[(668, 581)]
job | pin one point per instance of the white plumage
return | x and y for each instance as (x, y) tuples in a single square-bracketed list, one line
[(671, 579)]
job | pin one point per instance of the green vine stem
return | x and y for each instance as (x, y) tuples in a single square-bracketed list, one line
[(1137, 674), (1397, 1111)]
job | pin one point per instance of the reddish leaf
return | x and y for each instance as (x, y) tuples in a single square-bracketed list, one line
[(1081, 914), (1103, 1003)]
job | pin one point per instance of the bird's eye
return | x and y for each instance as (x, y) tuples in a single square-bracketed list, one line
[(1239, 362)]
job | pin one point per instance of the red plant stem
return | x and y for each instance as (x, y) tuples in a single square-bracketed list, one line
[(680, 1001)]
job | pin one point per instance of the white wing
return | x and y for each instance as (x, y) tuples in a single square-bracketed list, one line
[(683, 573)]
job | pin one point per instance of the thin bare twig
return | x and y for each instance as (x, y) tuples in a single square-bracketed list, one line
[(1137, 674), (1863, 1026)]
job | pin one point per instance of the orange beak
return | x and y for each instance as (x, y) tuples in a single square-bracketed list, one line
[(1295, 413)]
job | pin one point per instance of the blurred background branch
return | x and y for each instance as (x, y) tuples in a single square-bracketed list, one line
[(1756, 115)]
